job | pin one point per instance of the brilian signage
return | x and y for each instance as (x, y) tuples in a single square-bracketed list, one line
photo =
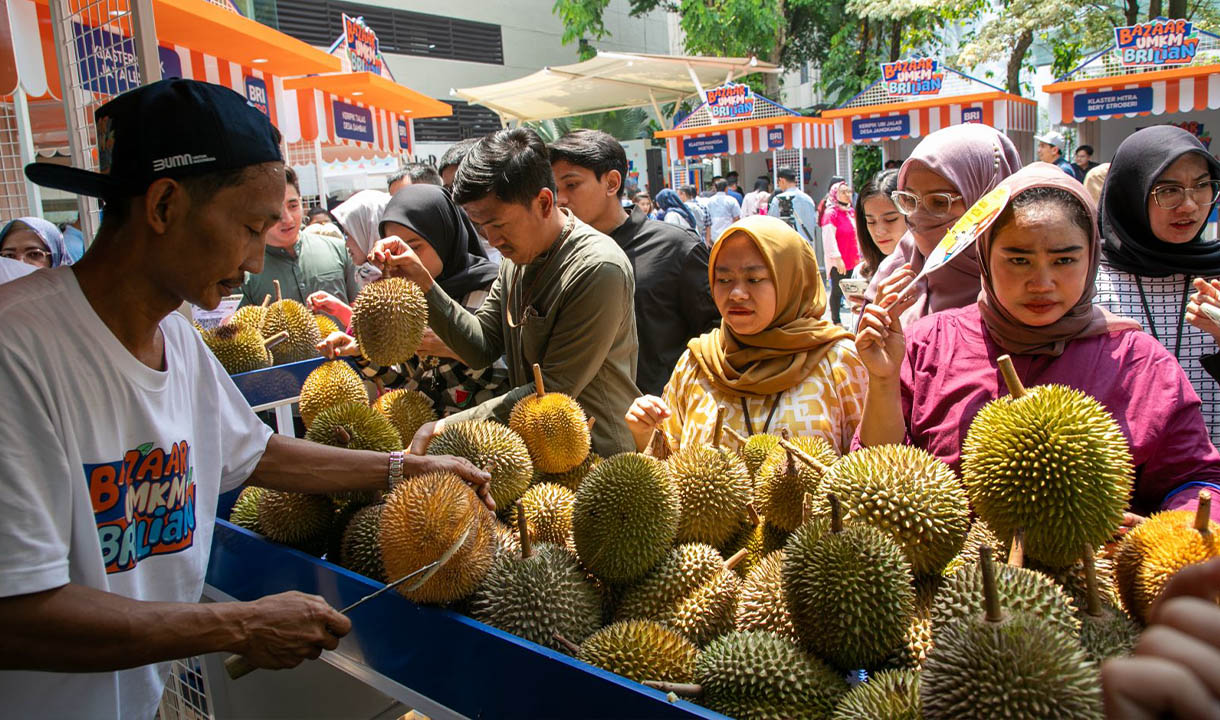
[(362, 46), (1160, 42), (918, 77), (730, 102)]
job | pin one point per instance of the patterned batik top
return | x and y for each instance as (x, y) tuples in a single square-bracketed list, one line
[(827, 404), (1161, 309)]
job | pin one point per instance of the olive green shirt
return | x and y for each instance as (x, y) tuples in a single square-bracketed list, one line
[(574, 315), (318, 262)]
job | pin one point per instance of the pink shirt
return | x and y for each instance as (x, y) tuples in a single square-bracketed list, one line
[(844, 222), (950, 373)]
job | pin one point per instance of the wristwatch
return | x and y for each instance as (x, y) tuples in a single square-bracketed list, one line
[(396, 467)]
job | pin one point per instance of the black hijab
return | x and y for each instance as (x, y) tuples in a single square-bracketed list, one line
[(429, 211), (1128, 242)]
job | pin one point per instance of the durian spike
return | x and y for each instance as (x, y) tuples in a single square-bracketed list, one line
[(342, 436), (690, 690), (523, 531), (1203, 514), (266, 301), (539, 386), (755, 518), (566, 643), (279, 292), (1010, 377), (718, 428), (806, 458), (991, 594), (736, 558), (1016, 554), (836, 513), (1092, 596), (275, 339), (657, 446)]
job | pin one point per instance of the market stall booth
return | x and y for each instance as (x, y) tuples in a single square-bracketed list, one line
[(1155, 73), (915, 97), (756, 135)]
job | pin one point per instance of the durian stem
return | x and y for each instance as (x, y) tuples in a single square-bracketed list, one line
[(1016, 554), (539, 386), (1203, 514), (342, 436), (523, 530), (566, 643), (736, 435), (657, 445), (719, 427), (279, 292), (794, 451), (275, 339), (836, 513), (1092, 596), (755, 518), (736, 558), (266, 301), (1010, 376), (690, 690), (806, 508), (591, 421), (991, 594)]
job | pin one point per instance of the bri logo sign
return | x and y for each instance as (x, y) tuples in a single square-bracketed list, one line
[(920, 76), (143, 504), (1160, 42)]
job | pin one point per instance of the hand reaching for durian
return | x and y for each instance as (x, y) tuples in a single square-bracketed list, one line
[(394, 258), (324, 302), (431, 345), (420, 464), (1175, 669), (644, 415), (1205, 293), (339, 344), (879, 339)]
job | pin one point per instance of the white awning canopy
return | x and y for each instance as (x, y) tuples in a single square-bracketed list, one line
[(610, 81)]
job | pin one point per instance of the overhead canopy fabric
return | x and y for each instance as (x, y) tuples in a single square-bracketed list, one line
[(610, 81)]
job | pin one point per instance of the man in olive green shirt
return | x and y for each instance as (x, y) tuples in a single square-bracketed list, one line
[(303, 262), (563, 298)]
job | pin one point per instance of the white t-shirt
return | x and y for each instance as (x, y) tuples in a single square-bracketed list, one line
[(109, 474)]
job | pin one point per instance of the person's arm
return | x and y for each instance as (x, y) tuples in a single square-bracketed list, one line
[(1206, 293), (806, 214), (882, 347), (695, 295), (350, 286), (477, 338)]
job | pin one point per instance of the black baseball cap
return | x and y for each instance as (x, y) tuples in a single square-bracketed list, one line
[(171, 128)]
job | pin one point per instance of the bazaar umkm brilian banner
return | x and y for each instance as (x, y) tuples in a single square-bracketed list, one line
[(1159, 42), (905, 78)]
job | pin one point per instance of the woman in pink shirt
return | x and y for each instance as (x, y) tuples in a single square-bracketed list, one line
[(1039, 263), (839, 242)]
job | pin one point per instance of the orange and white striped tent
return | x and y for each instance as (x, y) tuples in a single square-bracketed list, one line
[(769, 126)]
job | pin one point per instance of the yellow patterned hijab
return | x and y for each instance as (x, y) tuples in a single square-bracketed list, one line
[(797, 338)]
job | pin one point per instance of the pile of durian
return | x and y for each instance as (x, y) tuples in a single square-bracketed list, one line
[(767, 577)]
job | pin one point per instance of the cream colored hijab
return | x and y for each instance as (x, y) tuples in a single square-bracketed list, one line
[(781, 356)]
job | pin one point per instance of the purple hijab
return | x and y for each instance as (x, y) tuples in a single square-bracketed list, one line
[(48, 233), (974, 158)]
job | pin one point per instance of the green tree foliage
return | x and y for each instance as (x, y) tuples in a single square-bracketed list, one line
[(631, 124)]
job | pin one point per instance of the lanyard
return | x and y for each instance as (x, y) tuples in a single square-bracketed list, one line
[(1177, 349), (745, 408)]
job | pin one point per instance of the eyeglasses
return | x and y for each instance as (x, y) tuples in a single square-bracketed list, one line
[(937, 204), (1172, 196), (30, 254)]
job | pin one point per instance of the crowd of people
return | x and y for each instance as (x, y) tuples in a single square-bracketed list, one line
[(651, 311)]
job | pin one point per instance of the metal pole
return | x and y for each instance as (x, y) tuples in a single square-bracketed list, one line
[(75, 102), (25, 140), (317, 163), (144, 30)]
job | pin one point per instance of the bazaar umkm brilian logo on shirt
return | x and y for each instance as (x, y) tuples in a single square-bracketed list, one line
[(143, 504)]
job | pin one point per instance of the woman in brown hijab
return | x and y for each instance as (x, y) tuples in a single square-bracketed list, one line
[(773, 362)]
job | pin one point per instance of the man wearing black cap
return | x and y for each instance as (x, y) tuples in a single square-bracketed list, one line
[(120, 429)]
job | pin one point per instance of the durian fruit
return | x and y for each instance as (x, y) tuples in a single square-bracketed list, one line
[(1074, 583), (407, 411), (507, 541), (760, 603), (713, 490), (758, 537), (294, 318), (1105, 630), (538, 594), (783, 480), (493, 447), (756, 674), (388, 320), (250, 315), (1158, 548), (849, 591), (691, 591), (626, 517), (295, 519), (239, 348), (641, 650), (330, 384), (355, 426), (1009, 663), (245, 509), (572, 478), (756, 449), (553, 426), (918, 644), (548, 508), (361, 547), (979, 535), (1019, 589), (326, 326), (888, 695), (1051, 461), (421, 519), (909, 494)]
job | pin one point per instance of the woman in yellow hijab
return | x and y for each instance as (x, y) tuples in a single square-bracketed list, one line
[(774, 362)]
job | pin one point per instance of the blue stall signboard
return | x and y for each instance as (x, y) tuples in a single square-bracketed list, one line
[(972, 115), (256, 93), (353, 122), (775, 138), (404, 137), (710, 145), (882, 127), (1113, 102), (107, 61)]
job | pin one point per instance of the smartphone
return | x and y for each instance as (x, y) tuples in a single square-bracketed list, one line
[(853, 286)]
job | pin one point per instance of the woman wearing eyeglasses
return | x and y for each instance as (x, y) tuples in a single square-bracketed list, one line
[(1154, 206), (948, 172), (34, 241)]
